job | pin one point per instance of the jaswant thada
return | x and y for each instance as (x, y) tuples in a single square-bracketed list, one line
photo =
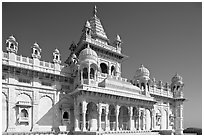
[(86, 94)]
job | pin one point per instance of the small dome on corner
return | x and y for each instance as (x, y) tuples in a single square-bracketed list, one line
[(12, 38), (56, 51), (142, 71), (176, 78)]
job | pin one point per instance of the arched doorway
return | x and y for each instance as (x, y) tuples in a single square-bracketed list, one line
[(104, 68), (92, 116), (45, 118), (148, 119), (113, 70), (158, 119), (164, 119), (123, 118), (112, 117), (135, 117)]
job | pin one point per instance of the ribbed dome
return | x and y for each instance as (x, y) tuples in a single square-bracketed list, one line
[(12, 38), (56, 51), (176, 78), (142, 71), (88, 54)]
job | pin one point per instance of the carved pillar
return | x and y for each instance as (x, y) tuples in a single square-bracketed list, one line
[(81, 75), (152, 119), (99, 117), (107, 126), (179, 118), (11, 110), (109, 69), (117, 109), (89, 73), (35, 110), (144, 119), (139, 119), (84, 108), (130, 110), (76, 114)]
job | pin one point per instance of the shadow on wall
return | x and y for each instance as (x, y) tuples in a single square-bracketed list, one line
[(52, 119)]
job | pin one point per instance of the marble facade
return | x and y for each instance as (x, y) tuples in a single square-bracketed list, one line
[(87, 92)]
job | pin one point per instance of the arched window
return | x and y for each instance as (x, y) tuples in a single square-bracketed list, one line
[(85, 73), (143, 85), (174, 87), (12, 46), (56, 57), (65, 115), (177, 87), (103, 115), (148, 86), (92, 73), (36, 52), (104, 68), (24, 113), (113, 70)]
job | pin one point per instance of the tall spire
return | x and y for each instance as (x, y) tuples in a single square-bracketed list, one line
[(96, 27), (95, 10)]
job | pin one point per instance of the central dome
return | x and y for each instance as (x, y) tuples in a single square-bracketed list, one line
[(88, 54), (176, 78), (142, 71)]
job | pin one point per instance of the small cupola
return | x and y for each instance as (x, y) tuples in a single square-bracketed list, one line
[(56, 56), (36, 50), (12, 44), (142, 72), (87, 28), (87, 55)]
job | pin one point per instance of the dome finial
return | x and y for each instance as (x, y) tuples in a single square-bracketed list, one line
[(118, 38), (95, 10), (87, 24)]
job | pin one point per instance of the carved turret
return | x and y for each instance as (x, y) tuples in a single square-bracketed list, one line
[(117, 43), (177, 89), (36, 50), (142, 79), (56, 56), (12, 45)]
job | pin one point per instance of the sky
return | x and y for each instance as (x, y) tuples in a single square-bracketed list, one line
[(165, 37)]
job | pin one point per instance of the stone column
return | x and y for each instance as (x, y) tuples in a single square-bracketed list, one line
[(99, 117), (89, 73), (152, 119), (144, 119), (139, 119), (81, 75), (117, 109), (76, 114), (11, 110), (130, 110), (35, 110), (179, 118), (107, 126), (84, 108)]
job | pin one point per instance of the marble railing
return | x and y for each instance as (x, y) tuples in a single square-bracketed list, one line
[(29, 63), (161, 92)]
